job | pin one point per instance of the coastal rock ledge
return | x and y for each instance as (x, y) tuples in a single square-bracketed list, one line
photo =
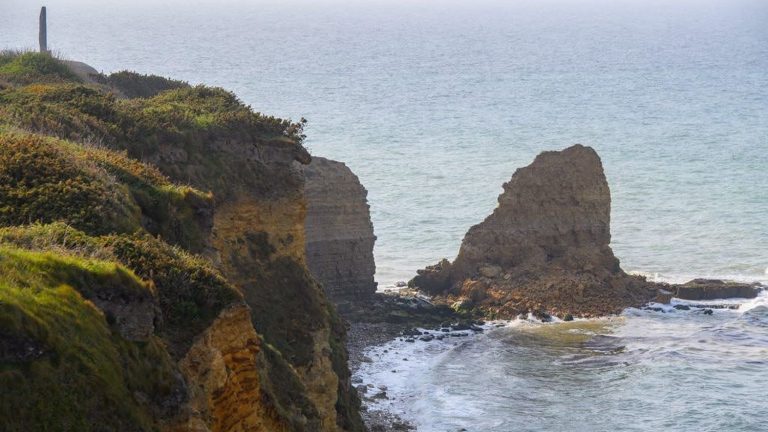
[(544, 250), (339, 232)]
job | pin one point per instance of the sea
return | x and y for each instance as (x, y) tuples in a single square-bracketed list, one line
[(435, 103)]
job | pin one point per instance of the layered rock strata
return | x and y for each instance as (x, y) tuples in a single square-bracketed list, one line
[(545, 248), (339, 232)]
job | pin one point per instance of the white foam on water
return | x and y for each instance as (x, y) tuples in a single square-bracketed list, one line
[(404, 371), (760, 300), (679, 278)]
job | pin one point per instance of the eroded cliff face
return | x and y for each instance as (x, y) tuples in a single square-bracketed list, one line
[(224, 384), (339, 232), (258, 243), (545, 248)]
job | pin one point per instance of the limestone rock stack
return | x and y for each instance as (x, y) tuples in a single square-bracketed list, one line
[(339, 232), (545, 247)]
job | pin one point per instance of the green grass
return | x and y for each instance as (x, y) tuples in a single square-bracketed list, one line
[(41, 181), (190, 123), (31, 67), (190, 293), (82, 375)]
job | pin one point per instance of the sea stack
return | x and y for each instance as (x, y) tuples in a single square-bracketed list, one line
[(545, 249), (339, 232)]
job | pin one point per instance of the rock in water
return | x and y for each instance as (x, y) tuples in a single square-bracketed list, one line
[(711, 289), (339, 232), (545, 247)]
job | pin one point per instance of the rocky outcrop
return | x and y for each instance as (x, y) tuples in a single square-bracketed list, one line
[(225, 391), (259, 245), (544, 248), (339, 232), (711, 289)]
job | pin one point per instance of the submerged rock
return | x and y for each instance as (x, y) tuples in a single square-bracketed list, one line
[(545, 247)]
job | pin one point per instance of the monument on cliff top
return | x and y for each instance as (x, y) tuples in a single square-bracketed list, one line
[(43, 36)]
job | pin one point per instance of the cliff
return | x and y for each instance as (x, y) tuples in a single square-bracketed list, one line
[(545, 248), (245, 333), (339, 232)]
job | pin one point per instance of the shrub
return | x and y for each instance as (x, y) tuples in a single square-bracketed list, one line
[(96, 190), (41, 181), (135, 85)]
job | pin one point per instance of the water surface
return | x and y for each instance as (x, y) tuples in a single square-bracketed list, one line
[(435, 103), (643, 371)]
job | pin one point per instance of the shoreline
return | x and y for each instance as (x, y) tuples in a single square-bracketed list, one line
[(360, 337), (363, 339)]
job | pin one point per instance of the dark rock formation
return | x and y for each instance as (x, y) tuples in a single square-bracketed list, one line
[(710, 289), (339, 232), (545, 248)]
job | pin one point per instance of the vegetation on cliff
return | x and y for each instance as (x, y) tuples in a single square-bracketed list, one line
[(95, 233), (136, 85), (63, 366), (98, 191)]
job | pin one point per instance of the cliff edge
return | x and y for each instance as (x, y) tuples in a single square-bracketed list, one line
[(162, 228)]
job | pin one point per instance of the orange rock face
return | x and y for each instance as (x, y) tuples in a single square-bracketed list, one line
[(224, 383), (258, 243)]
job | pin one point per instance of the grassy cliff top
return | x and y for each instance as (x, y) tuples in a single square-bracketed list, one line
[(91, 209), (203, 135)]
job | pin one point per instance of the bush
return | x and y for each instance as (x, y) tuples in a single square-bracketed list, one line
[(135, 85), (40, 181), (96, 190)]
